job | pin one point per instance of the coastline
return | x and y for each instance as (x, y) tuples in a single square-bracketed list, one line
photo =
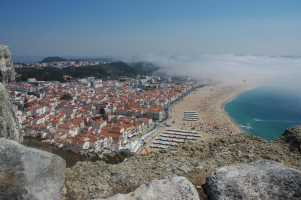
[(209, 103), (232, 98), (234, 122), (228, 116), (216, 105)]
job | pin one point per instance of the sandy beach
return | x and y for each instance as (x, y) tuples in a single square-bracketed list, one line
[(208, 102)]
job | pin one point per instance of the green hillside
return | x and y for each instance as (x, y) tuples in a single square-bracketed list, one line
[(112, 70), (52, 59)]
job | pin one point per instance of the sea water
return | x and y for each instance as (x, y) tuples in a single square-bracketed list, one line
[(265, 112)]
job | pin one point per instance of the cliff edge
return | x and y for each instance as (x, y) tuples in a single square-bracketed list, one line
[(195, 161), (292, 136), (9, 124)]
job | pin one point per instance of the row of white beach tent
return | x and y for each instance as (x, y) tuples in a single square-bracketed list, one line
[(179, 137), (189, 119), (158, 146), (191, 116), (174, 136), (182, 134), (165, 143), (182, 131), (171, 140)]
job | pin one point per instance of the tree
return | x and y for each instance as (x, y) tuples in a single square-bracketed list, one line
[(25, 102), (24, 77), (66, 97), (102, 112)]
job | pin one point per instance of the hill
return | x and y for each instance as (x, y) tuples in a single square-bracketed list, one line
[(92, 59), (52, 59), (112, 70)]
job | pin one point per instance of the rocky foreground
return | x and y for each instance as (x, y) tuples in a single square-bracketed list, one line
[(28, 173), (195, 161), (262, 179), (165, 189), (9, 124)]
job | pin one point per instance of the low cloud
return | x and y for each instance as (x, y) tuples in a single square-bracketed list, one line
[(225, 68)]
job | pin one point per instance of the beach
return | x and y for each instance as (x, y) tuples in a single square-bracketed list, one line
[(208, 102)]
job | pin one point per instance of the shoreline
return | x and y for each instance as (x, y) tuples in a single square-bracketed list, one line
[(227, 115), (209, 103), (230, 99)]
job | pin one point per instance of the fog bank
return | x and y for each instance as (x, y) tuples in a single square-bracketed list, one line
[(225, 68)]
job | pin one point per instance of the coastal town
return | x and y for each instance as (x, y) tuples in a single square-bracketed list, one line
[(91, 115), (60, 64), (150, 100)]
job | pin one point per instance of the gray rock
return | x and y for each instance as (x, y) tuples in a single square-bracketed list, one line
[(293, 137), (7, 70), (9, 124), (28, 173), (261, 179), (166, 189)]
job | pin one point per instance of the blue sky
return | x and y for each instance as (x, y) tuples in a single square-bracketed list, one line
[(135, 27)]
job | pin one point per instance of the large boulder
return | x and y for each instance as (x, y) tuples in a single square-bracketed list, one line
[(28, 173), (172, 188), (262, 179), (9, 124), (7, 70)]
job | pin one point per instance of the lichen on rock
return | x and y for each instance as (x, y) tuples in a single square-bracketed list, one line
[(28, 173), (9, 124), (165, 189), (7, 70), (262, 179)]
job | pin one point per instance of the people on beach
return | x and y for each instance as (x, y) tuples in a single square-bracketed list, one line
[(215, 124)]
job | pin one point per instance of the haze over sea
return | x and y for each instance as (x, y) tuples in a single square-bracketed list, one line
[(266, 112)]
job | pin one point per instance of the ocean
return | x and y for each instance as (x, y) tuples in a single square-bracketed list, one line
[(265, 112)]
